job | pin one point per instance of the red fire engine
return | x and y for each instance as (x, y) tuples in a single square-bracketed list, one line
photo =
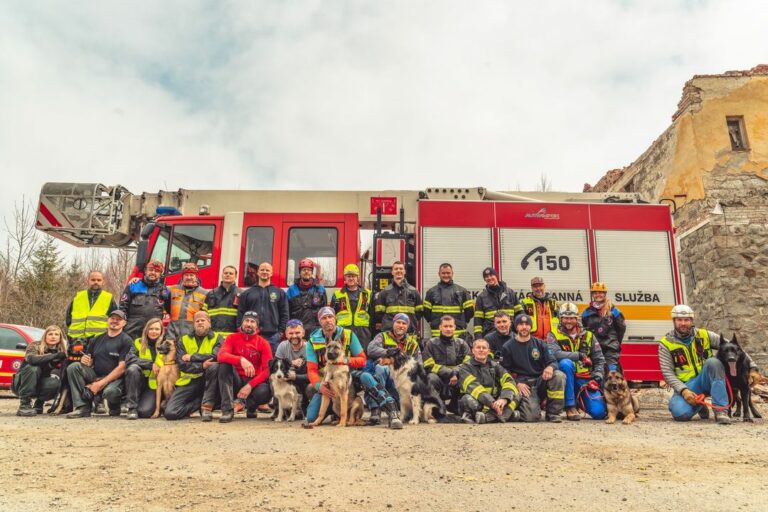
[(570, 240)]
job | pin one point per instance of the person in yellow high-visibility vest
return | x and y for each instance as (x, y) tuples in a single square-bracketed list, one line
[(88, 312), (141, 373)]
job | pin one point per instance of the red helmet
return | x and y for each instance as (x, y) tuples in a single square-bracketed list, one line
[(189, 268), (306, 263)]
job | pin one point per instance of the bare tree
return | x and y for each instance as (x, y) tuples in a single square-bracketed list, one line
[(544, 184)]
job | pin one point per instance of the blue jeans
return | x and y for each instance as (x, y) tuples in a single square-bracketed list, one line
[(274, 341), (591, 402), (711, 382), (374, 393)]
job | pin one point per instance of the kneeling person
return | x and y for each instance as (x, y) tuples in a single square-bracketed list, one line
[(40, 374), (442, 358), (489, 390), (244, 366), (528, 359), (294, 350)]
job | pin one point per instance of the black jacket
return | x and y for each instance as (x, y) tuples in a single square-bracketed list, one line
[(219, 303), (448, 299), (489, 302), (443, 356), (270, 302), (396, 299)]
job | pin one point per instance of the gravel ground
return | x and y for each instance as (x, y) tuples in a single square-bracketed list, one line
[(106, 463)]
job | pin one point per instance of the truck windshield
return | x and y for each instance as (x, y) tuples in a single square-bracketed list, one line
[(188, 243), (318, 244)]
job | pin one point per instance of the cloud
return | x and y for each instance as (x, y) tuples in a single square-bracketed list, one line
[(358, 95)]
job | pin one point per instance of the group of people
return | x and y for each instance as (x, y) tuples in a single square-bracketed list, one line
[(523, 357)]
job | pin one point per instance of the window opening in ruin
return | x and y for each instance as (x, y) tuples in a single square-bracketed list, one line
[(737, 133)]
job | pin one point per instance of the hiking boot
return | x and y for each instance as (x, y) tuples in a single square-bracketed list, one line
[(100, 408), (80, 412), (132, 414), (206, 414), (39, 406), (394, 416), (251, 414), (704, 412), (722, 418), (25, 408), (227, 416), (554, 418), (480, 418), (239, 405), (265, 408), (572, 414), (466, 418), (114, 411), (375, 417)]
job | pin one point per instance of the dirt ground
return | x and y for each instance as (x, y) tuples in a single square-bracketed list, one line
[(103, 463)]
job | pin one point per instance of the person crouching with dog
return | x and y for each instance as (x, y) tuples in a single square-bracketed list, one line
[(688, 364), (489, 391), (41, 371), (355, 357), (244, 367), (294, 349), (101, 369), (443, 356), (579, 357), (141, 373), (529, 361), (198, 383)]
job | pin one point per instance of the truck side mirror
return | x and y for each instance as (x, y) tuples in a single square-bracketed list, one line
[(142, 254), (21, 346)]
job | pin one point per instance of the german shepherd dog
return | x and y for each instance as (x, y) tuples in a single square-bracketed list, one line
[(417, 398), (346, 404), (619, 399), (287, 396), (167, 376), (737, 371)]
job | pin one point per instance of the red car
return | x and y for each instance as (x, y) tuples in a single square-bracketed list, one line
[(11, 338)]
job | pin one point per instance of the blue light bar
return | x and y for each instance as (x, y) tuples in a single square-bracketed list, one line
[(167, 210)]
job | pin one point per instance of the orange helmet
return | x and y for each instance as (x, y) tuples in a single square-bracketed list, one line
[(599, 287)]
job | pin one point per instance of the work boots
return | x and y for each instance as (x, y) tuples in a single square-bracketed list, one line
[(39, 406), (704, 412), (572, 414), (375, 417), (394, 416), (227, 416), (25, 408), (721, 417)]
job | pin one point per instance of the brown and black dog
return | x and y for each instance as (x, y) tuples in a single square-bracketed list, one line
[(167, 376), (619, 399), (346, 404)]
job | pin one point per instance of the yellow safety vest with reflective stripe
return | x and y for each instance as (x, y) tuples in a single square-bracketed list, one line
[(191, 348), (147, 356), (529, 307), (569, 345), (89, 321), (345, 317), (688, 359), (411, 343)]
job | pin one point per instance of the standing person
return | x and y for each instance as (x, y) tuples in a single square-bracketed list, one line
[(529, 361), (448, 298), (398, 297), (41, 371), (187, 298), (489, 391), (606, 323), (244, 367), (687, 357), (353, 305), (145, 299), (306, 296), (198, 384), (141, 371), (269, 302), (88, 312), (579, 357), (221, 303), (294, 350), (443, 355), (495, 297), (101, 369), (541, 308)]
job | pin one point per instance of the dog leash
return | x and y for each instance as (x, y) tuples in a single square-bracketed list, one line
[(701, 399)]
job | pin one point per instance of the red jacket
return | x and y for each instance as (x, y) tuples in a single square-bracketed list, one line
[(252, 347)]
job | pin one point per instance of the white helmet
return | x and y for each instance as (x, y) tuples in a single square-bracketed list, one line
[(568, 309), (682, 311)]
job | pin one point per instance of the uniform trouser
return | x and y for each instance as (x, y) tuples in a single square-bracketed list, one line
[(374, 392), (553, 390), (711, 381), (230, 381), (79, 375), (273, 339), (611, 358), (203, 390), (576, 395), (138, 395), (29, 382), (445, 390), (469, 404)]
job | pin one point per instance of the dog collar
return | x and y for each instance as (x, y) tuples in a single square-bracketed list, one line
[(169, 363)]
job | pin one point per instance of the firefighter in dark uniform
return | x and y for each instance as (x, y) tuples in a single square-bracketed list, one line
[(448, 298), (443, 355), (145, 299), (353, 306), (496, 297), (221, 303), (542, 309), (398, 297), (489, 391)]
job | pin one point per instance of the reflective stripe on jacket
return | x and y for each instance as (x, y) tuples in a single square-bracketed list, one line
[(689, 358)]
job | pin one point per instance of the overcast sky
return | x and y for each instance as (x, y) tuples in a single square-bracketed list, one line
[(337, 94)]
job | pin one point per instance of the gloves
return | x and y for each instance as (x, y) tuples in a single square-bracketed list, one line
[(689, 396), (593, 385), (585, 360), (754, 377), (392, 351)]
